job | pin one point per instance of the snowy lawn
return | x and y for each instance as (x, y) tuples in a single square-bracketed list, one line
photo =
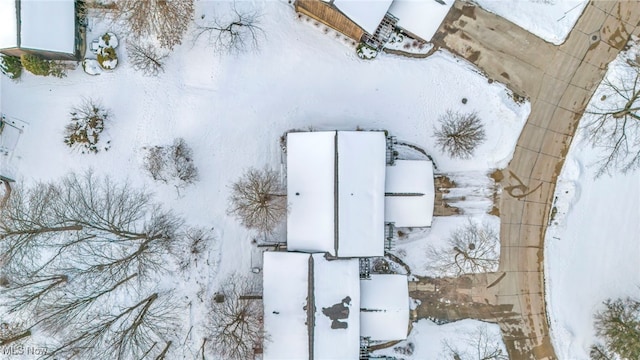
[(552, 20), (232, 109), (470, 339), (591, 247)]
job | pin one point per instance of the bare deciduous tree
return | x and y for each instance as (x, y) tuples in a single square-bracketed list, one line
[(259, 200), (166, 163), (166, 20), (76, 249), (479, 346), (459, 134), (133, 331), (618, 326), (612, 122), (235, 314), (87, 124), (236, 32), (146, 58), (470, 249)]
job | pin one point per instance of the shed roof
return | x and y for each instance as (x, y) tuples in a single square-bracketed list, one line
[(384, 307), (410, 193), (48, 25)]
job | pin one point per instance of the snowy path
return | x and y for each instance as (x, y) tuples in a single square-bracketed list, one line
[(559, 81)]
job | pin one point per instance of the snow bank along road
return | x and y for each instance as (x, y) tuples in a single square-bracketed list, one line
[(559, 81)]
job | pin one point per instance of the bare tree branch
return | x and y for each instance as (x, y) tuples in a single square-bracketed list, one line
[(146, 58), (74, 252), (612, 122), (236, 33), (479, 346), (258, 200), (165, 20), (236, 326), (470, 249), (459, 134), (174, 162)]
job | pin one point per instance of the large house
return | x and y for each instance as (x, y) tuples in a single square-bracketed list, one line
[(47, 28), (320, 309), (345, 189), (373, 21)]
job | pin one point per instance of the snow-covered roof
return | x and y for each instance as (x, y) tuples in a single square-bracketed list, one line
[(310, 191), (410, 193), (285, 291), (366, 13), (336, 176), (9, 137), (48, 25), (420, 17), (384, 307), (361, 179), (8, 24), (336, 286), (334, 295)]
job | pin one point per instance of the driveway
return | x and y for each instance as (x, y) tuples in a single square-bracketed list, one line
[(559, 81)]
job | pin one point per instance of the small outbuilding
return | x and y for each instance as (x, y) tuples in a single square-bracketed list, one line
[(46, 28)]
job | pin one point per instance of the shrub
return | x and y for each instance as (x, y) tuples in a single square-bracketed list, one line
[(87, 123), (39, 66), (11, 66), (366, 52), (166, 163)]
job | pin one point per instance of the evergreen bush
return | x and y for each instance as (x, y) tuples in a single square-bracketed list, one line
[(11, 66), (39, 66)]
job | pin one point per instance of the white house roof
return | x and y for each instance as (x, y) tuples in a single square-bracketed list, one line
[(336, 286), (310, 191), (420, 17), (366, 13), (361, 178), (8, 24), (48, 25), (384, 307), (285, 291), (410, 193), (311, 303), (335, 190)]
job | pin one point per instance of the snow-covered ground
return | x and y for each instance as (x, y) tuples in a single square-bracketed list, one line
[(552, 20), (471, 339), (592, 246), (232, 109)]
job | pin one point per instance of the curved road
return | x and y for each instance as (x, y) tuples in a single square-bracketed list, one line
[(559, 81)]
